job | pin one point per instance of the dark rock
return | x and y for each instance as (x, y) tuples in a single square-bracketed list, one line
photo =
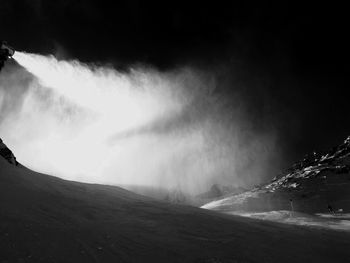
[(6, 153)]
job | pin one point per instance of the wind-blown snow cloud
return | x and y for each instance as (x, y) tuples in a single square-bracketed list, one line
[(162, 129)]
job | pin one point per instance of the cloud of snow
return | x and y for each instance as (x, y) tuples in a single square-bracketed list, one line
[(163, 129)]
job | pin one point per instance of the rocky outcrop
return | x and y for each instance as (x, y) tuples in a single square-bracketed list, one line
[(6, 153)]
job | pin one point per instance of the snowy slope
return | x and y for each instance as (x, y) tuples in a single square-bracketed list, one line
[(311, 185), (47, 219)]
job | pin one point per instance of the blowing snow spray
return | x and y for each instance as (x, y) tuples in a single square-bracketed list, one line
[(164, 130), (95, 124)]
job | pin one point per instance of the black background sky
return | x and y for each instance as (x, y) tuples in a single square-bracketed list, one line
[(291, 59)]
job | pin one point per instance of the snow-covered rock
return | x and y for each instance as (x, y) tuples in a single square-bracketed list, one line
[(6, 153), (312, 184)]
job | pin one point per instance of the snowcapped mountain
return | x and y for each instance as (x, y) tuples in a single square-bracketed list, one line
[(319, 182)]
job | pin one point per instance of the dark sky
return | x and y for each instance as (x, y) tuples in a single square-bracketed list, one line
[(291, 60)]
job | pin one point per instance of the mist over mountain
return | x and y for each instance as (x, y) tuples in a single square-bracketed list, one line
[(286, 62), (316, 184), (175, 130)]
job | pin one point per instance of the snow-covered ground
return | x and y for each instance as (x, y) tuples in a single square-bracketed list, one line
[(331, 221), (226, 202), (310, 186), (47, 219)]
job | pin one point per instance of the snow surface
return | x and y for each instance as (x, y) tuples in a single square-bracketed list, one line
[(47, 219), (329, 221), (237, 199)]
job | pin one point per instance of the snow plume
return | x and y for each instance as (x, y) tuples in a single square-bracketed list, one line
[(171, 130)]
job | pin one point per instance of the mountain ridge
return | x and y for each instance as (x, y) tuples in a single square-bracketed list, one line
[(315, 184)]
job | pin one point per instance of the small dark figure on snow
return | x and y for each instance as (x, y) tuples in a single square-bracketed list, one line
[(291, 205)]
